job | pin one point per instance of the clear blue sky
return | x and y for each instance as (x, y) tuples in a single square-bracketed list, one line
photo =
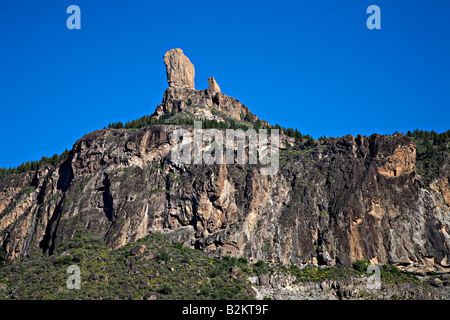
[(312, 65)]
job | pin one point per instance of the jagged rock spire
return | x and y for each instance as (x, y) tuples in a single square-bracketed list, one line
[(180, 70), (213, 86)]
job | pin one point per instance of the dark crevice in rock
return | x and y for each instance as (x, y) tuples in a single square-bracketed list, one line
[(66, 174), (108, 201), (47, 244)]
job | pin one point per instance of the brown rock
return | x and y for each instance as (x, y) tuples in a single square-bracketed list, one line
[(213, 86), (138, 250), (180, 70), (235, 272)]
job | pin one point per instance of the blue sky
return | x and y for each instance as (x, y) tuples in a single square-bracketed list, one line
[(311, 65)]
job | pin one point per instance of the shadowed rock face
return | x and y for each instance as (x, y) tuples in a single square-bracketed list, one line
[(347, 199)]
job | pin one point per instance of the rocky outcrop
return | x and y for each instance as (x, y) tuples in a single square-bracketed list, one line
[(178, 99), (282, 286), (213, 86), (180, 70), (181, 94)]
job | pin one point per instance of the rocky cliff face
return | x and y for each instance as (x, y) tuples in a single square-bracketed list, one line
[(329, 204), (346, 199), (361, 198)]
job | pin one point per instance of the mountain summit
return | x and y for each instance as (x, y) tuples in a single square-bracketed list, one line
[(182, 101)]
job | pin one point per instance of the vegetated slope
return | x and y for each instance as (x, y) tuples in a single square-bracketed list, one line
[(153, 268), (148, 269)]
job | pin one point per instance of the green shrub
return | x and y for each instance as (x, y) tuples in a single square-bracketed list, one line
[(64, 260), (179, 245), (393, 274), (163, 256), (231, 261), (259, 263), (361, 265), (166, 289), (260, 267), (215, 272)]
